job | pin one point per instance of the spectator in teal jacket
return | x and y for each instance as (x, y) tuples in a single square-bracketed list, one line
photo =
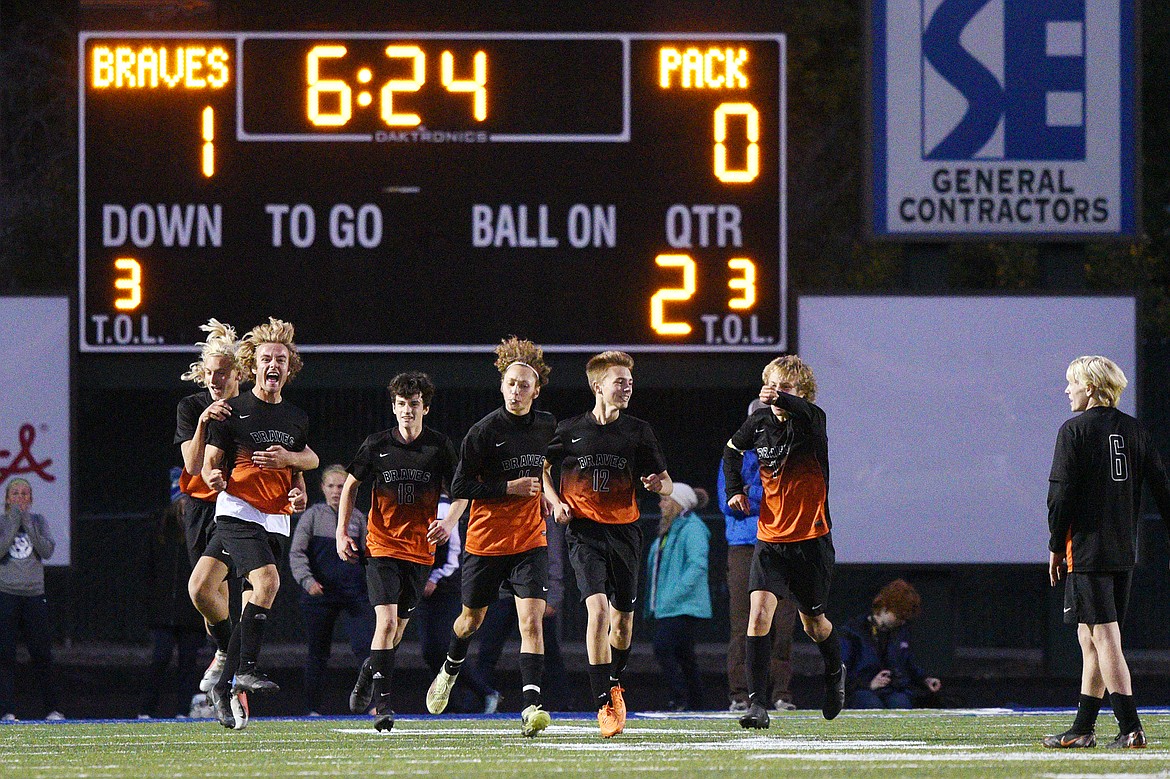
[(679, 595)]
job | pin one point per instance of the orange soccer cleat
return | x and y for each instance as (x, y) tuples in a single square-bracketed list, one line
[(616, 694), (608, 721)]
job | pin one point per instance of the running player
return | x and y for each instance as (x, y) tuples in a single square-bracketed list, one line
[(794, 547), (1102, 457), (500, 470), (601, 456), (411, 466), (255, 495), (217, 372)]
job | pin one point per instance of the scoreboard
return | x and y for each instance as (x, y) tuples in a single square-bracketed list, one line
[(396, 192)]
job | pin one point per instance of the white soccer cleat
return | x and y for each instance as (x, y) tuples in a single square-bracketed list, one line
[(533, 720), (239, 703), (213, 672), (440, 691)]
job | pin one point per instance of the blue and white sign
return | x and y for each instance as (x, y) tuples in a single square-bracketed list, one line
[(1000, 118)]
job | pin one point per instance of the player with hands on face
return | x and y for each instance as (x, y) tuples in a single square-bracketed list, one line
[(794, 552)]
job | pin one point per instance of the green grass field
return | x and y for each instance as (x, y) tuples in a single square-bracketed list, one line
[(921, 743)]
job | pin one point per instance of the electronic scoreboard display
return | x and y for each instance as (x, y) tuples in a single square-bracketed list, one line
[(434, 191)]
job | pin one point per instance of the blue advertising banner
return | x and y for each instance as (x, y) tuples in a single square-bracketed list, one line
[(1001, 118)]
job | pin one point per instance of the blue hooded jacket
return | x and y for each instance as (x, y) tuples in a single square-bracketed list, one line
[(677, 578), (740, 529)]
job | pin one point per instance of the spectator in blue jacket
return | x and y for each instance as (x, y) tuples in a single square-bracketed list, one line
[(879, 665), (679, 593), (740, 530)]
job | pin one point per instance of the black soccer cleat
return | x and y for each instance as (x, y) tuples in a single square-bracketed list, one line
[(222, 708), (1133, 740), (253, 681), (1070, 739), (756, 717), (834, 694), (363, 689), (385, 721)]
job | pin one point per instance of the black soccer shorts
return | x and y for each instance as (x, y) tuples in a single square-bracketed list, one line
[(1096, 598), (524, 575), (606, 559), (390, 580), (248, 544), (801, 571)]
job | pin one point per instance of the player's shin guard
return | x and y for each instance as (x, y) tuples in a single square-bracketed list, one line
[(1126, 712), (1087, 709), (221, 633), (757, 656), (830, 650), (252, 622), (230, 665), (599, 683), (456, 654), (382, 666), (531, 675), (620, 658)]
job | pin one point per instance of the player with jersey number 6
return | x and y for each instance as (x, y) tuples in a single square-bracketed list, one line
[(1103, 456)]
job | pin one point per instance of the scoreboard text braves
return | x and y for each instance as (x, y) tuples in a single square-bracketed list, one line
[(434, 191)]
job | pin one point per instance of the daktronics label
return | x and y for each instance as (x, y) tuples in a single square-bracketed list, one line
[(1002, 117)]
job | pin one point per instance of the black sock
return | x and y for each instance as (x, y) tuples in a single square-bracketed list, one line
[(1126, 712), (221, 633), (382, 667), (456, 653), (757, 656), (620, 658), (831, 652), (599, 683), (231, 664), (252, 622), (531, 671), (1087, 708)]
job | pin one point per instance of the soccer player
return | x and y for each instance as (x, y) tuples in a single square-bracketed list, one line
[(411, 465), (1102, 458), (256, 493), (501, 467), (219, 375), (602, 455), (794, 547)]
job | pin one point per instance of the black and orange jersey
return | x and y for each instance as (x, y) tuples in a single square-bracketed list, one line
[(498, 448), (794, 469), (601, 465), (187, 420), (407, 482), (1102, 459), (253, 426)]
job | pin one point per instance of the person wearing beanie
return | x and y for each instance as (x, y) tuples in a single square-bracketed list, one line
[(678, 594)]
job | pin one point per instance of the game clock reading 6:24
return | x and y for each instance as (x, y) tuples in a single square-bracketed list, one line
[(434, 191)]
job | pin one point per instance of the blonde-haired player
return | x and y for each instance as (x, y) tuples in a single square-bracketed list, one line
[(218, 374), (602, 455), (1102, 458), (794, 546), (254, 459)]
